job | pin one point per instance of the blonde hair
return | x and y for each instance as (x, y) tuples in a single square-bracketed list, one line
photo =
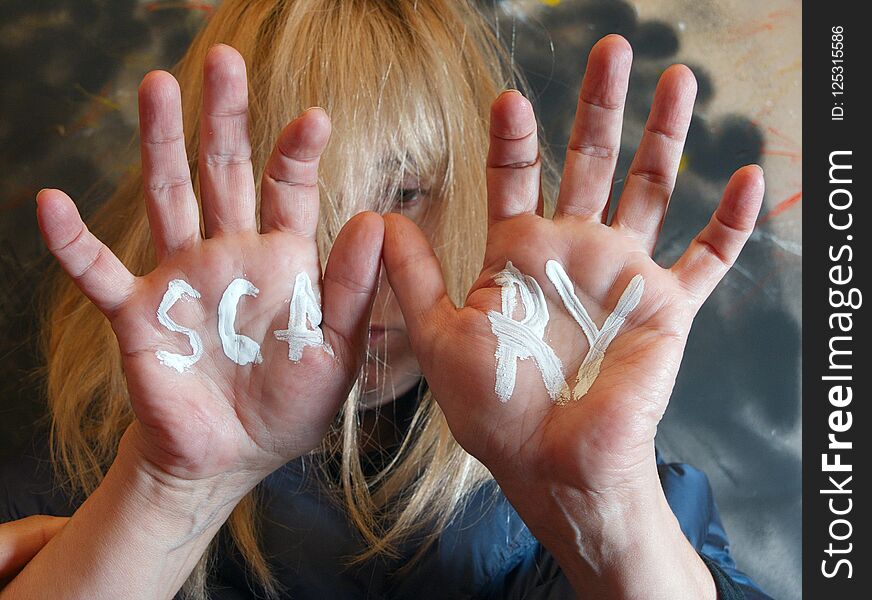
[(408, 86)]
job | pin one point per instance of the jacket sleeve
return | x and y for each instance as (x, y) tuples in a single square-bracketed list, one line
[(535, 574), (690, 496), (538, 577)]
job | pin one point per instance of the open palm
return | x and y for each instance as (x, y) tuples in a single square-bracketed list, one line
[(600, 438), (249, 402)]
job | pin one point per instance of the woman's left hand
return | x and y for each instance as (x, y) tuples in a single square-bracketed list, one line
[(578, 471)]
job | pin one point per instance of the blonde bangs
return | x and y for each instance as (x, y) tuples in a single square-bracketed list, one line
[(408, 93)]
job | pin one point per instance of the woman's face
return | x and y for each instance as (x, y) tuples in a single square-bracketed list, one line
[(391, 366)]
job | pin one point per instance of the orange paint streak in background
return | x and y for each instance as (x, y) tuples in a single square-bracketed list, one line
[(752, 27), (787, 153), (783, 136), (781, 207)]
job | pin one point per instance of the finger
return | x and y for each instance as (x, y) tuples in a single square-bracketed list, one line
[(226, 180), (97, 272), (652, 174), (351, 281), (414, 273), (172, 207), (289, 189), (21, 540), (596, 133), (715, 249), (513, 163)]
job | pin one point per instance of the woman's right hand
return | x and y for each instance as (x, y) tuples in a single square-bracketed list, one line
[(21, 540), (216, 417)]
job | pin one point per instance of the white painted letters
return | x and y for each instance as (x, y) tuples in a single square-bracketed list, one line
[(239, 348), (522, 339), (518, 340), (305, 309), (598, 339), (180, 362), (303, 324)]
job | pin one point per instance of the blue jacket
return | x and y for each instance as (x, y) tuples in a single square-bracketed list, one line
[(486, 552)]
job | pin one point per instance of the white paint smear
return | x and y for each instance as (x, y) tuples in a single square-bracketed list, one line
[(180, 362), (519, 340), (599, 339), (304, 320), (239, 348)]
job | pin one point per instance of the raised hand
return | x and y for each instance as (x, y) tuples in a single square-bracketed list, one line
[(225, 372), (540, 433)]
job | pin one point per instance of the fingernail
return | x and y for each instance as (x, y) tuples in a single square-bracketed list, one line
[(511, 91)]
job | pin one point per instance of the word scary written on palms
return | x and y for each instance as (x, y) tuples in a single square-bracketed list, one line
[(523, 339), (303, 324), (516, 339)]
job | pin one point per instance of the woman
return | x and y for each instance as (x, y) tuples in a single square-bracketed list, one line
[(195, 380)]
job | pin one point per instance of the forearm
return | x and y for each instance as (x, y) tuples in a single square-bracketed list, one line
[(618, 548), (134, 537)]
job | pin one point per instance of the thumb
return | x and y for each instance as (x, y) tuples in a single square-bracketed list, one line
[(351, 281), (415, 275), (97, 272)]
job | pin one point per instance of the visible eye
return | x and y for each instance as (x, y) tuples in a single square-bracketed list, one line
[(408, 197)]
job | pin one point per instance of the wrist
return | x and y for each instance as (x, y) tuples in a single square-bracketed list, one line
[(624, 544), (161, 521), (185, 507), (138, 535)]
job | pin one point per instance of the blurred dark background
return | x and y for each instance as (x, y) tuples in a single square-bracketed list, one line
[(69, 70)]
